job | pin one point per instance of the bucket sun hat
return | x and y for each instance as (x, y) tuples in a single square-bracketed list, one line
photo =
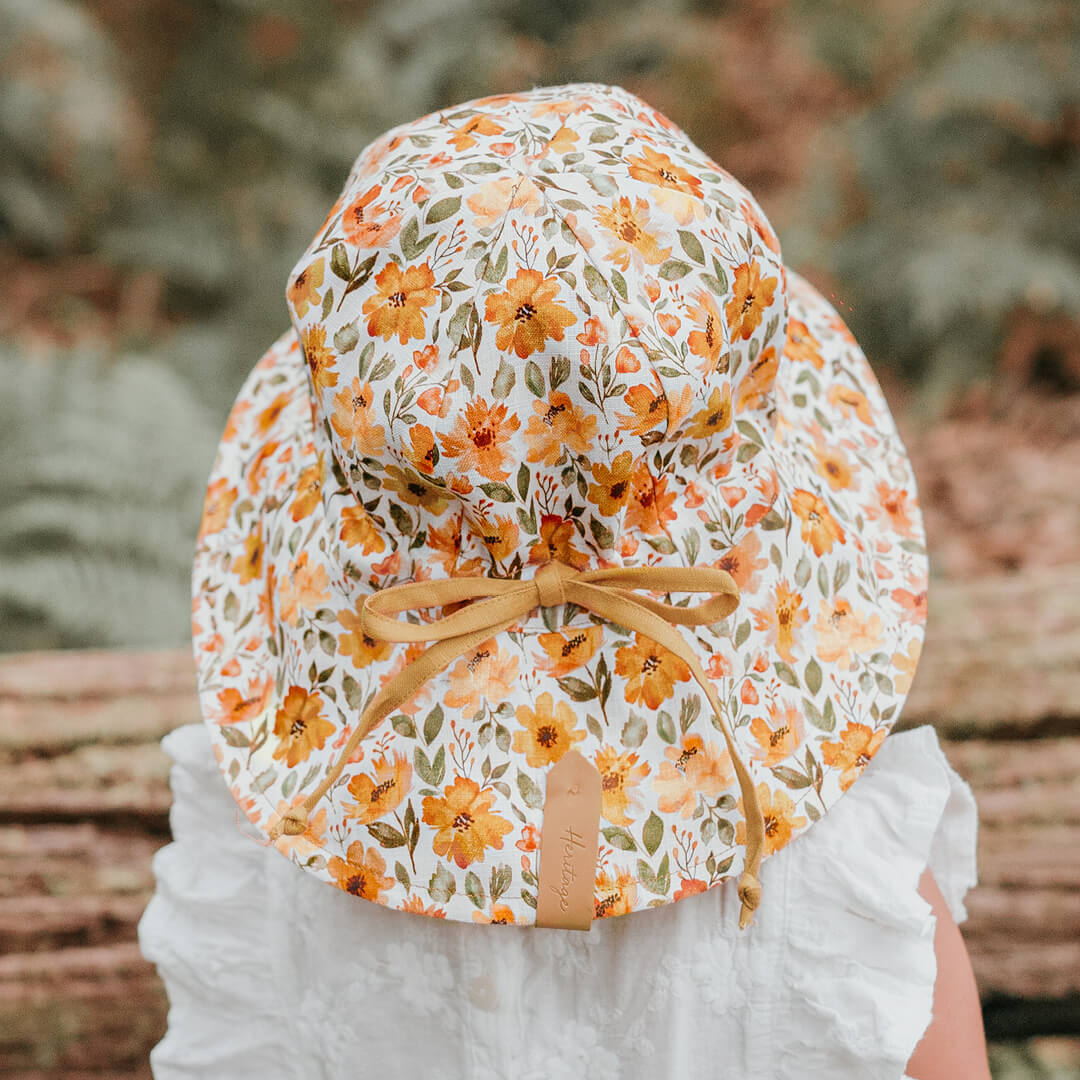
[(562, 559)]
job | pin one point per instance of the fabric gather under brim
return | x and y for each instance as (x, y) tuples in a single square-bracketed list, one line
[(271, 974)]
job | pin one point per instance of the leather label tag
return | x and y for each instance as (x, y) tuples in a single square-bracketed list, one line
[(569, 842)]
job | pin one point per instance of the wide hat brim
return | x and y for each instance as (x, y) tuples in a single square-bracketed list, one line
[(814, 665)]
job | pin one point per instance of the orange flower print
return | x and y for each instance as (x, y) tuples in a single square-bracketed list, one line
[(692, 767), (650, 670), (465, 822), (354, 420), (411, 488), (500, 913), (358, 530), (842, 635), (782, 619), (422, 452), (801, 346), (320, 358), (268, 417), (356, 645), (310, 842), (755, 391), (303, 291), (398, 306), (365, 223), (651, 504), (416, 905), (308, 490), (847, 401), (648, 407), (708, 341), (256, 471), (632, 240), (445, 545), (479, 438), (743, 562), (779, 737), (905, 664), (249, 565), (379, 795), (550, 730), (833, 465), (557, 535), (751, 295), (463, 137), (216, 507), (486, 674), (674, 188), (499, 535), (492, 200), (620, 775), (362, 872), (780, 820), (300, 726), (568, 649), (612, 487), (818, 524), (305, 587), (858, 744), (615, 894), (760, 225), (897, 506), (237, 708), (527, 313), (559, 425), (715, 418)]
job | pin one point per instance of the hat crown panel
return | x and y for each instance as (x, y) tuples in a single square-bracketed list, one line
[(523, 313)]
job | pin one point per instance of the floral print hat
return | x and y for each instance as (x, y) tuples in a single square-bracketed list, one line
[(547, 381)]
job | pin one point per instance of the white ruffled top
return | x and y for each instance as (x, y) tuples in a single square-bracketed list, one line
[(273, 974)]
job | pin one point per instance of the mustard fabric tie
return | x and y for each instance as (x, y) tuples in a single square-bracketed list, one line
[(499, 603)]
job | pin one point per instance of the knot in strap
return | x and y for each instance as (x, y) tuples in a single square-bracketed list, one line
[(497, 604), (549, 583)]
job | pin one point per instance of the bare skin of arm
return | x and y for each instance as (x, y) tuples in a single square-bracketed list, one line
[(954, 1045)]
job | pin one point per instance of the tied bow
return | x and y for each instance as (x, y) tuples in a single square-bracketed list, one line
[(498, 603)]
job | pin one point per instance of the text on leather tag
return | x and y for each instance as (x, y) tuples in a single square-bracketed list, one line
[(569, 840)]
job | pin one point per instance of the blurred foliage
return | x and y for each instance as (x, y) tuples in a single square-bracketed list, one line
[(164, 162)]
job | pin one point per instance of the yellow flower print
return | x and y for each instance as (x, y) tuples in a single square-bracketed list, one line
[(650, 670), (841, 634), (550, 730), (414, 490), (216, 507), (756, 389), (715, 418), (620, 774), (905, 664), (320, 358), (778, 738), (559, 425), (692, 767), (833, 465), (751, 295), (362, 872), (780, 820), (612, 487), (557, 535), (354, 420), (488, 673), (527, 313), (615, 894), (500, 913), (479, 438), (782, 619), (358, 530), (355, 644), (249, 565), (629, 226), (499, 534), (858, 744), (465, 823), (568, 649), (398, 306), (304, 288), (708, 341), (300, 726), (849, 401), (818, 524), (379, 795)]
